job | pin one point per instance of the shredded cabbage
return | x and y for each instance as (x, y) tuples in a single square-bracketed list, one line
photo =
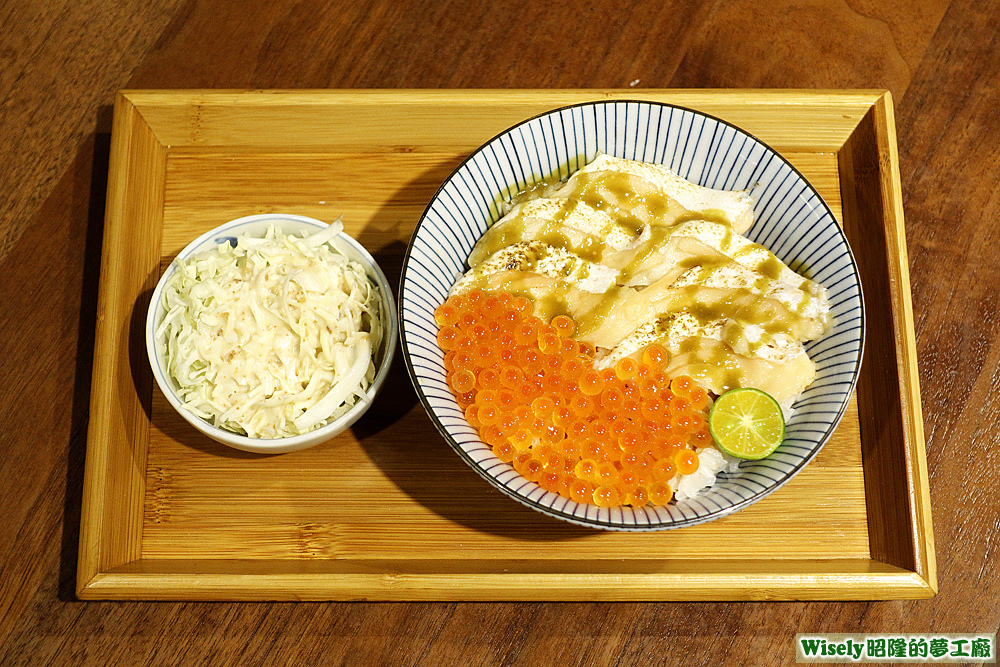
[(272, 337)]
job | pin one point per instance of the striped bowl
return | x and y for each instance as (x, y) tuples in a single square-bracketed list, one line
[(792, 220)]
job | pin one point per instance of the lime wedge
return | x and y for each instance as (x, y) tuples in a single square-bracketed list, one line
[(746, 423)]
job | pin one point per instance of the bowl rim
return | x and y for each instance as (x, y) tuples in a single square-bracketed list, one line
[(303, 440), (596, 522)]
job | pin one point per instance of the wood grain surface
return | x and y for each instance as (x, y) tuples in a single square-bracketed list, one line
[(60, 64), (385, 511)]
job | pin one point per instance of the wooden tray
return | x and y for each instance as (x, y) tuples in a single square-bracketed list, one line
[(387, 511)]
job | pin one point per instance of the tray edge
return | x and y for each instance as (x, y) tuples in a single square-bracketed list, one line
[(97, 561)]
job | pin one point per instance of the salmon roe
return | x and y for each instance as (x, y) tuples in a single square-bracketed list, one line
[(609, 437)]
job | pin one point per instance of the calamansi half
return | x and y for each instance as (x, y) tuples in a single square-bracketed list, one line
[(747, 423)]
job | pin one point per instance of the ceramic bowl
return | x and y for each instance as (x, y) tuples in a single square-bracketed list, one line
[(257, 225), (792, 220)]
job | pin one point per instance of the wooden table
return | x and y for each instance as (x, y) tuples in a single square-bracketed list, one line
[(59, 67)]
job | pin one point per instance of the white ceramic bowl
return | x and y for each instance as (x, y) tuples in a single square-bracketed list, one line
[(792, 220), (257, 225)]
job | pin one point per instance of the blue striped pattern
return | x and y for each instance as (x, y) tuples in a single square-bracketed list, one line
[(791, 219)]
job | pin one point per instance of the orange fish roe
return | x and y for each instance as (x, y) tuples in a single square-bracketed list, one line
[(565, 326), (611, 437)]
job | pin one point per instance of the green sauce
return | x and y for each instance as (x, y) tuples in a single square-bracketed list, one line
[(634, 206)]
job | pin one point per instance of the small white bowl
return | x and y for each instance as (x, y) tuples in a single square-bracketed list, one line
[(257, 225)]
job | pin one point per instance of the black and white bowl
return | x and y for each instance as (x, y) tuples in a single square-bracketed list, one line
[(792, 220)]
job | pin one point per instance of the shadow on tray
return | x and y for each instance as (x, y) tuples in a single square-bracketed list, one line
[(396, 434), (87, 212), (400, 438)]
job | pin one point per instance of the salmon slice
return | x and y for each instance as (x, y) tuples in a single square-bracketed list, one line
[(638, 255), (569, 224), (716, 367), (550, 296), (543, 259), (735, 207), (718, 284)]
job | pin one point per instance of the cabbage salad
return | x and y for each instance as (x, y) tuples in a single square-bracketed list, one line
[(272, 337)]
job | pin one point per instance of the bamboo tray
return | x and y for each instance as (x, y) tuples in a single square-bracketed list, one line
[(387, 511)]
